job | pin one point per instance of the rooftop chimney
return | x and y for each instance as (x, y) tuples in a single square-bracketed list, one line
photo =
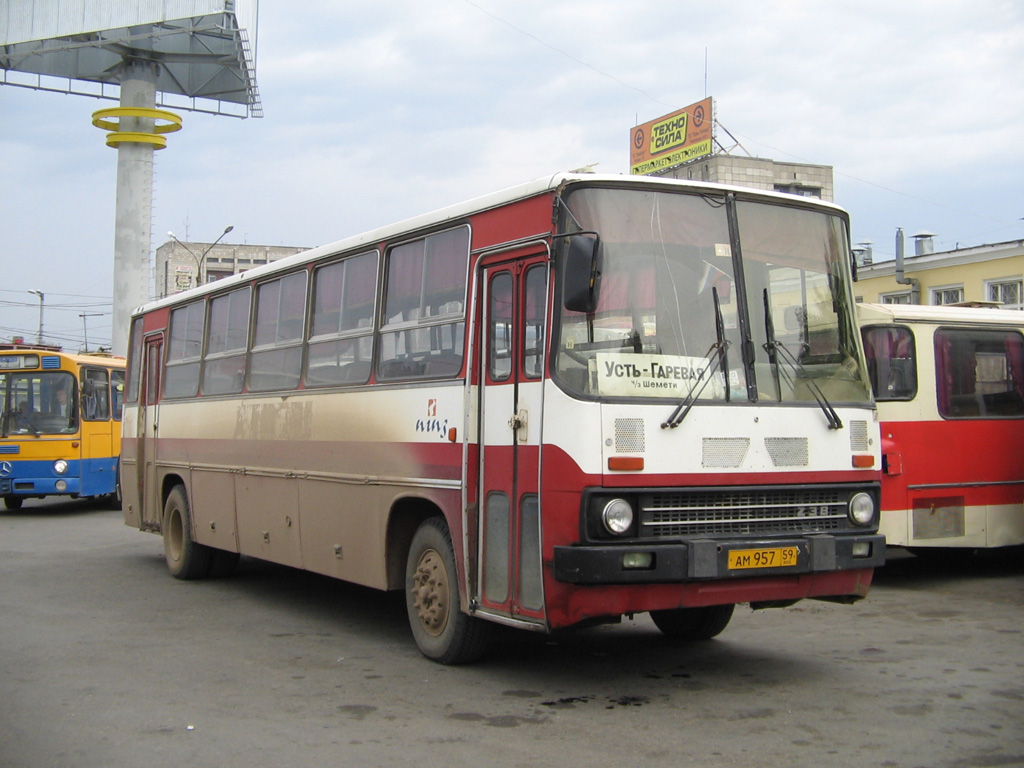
[(864, 253), (924, 243)]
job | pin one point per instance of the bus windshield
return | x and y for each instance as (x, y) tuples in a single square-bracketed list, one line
[(38, 403), (712, 298)]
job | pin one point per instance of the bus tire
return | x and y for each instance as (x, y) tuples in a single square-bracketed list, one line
[(13, 502), (693, 623), (185, 558), (442, 631)]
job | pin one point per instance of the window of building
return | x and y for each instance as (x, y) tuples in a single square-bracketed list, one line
[(184, 350), (953, 294), (902, 297), (799, 189), (1008, 292)]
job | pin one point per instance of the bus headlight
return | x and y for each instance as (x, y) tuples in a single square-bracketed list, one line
[(60, 466), (617, 516), (862, 509)]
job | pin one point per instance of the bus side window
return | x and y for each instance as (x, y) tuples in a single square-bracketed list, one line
[(979, 373), (341, 337), (891, 362), (533, 340), (95, 395), (500, 333), (182, 376), (117, 392), (423, 327), (131, 394), (276, 361), (227, 334)]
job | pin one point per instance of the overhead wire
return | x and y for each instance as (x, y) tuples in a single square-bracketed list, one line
[(656, 100)]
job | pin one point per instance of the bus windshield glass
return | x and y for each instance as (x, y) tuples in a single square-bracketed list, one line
[(38, 403), (687, 282)]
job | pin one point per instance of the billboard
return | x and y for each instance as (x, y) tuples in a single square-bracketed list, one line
[(671, 140)]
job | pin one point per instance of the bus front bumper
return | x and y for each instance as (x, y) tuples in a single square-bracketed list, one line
[(39, 486), (701, 559)]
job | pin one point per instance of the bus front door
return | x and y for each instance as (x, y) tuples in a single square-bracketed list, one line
[(513, 331)]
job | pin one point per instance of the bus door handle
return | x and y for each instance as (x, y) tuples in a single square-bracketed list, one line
[(519, 423)]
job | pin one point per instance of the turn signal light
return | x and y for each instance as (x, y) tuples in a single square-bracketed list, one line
[(863, 462), (626, 463)]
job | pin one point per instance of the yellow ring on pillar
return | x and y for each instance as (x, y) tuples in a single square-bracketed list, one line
[(117, 137)]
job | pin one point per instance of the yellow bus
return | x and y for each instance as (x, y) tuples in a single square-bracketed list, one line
[(60, 432)]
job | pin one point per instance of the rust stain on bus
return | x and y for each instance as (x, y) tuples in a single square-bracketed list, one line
[(274, 421)]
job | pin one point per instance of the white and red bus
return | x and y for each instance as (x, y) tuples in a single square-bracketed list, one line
[(949, 382), (577, 399)]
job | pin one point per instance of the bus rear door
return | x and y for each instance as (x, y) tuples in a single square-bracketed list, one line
[(148, 424)]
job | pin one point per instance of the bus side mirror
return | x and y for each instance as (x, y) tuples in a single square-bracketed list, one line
[(582, 272)]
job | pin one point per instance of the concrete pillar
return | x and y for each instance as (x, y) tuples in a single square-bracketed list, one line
[(133, 227)]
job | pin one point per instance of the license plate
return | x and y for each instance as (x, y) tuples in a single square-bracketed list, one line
[(776, 557)]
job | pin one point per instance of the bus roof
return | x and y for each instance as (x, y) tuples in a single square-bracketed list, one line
[(80, 358), (459, 211), (919, 313)]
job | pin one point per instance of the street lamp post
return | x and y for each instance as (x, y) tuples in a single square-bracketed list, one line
[(85, 330), (199, 259), (39, 336)]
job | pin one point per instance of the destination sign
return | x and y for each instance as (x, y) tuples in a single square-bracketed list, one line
[(632, 375)]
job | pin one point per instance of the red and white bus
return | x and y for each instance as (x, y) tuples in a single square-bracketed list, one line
[(577, 399), (949, 382)]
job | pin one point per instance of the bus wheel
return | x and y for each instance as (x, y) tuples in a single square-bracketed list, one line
[(13, 502), (693, 623), (185, 558), (442, 631)]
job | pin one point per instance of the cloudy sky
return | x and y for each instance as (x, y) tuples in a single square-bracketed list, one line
[(377, 111)]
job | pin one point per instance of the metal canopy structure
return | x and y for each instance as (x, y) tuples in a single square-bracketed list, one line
[(186, 54), (202, 49)]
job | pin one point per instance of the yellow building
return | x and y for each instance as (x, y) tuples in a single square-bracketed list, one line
[(992, 274)]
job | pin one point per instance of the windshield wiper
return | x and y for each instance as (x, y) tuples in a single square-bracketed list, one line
[(777, 350), (720, 361)]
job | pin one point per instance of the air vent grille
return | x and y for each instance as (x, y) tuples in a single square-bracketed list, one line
[(787, 451), (629, 436), (739, 512), (724, 452)]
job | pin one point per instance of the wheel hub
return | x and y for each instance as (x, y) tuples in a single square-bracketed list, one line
[(431, 592)]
